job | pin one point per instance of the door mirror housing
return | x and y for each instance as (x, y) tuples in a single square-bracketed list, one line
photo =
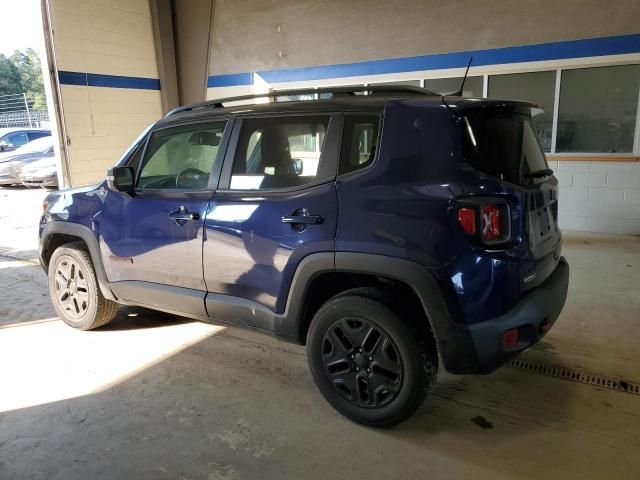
[(120, 179)]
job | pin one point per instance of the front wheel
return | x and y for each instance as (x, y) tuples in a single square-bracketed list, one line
[(74, 289), (368, 363)]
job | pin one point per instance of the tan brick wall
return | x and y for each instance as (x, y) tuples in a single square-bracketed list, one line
[(112, 37)]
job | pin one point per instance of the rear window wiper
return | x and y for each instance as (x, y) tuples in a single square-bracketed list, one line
[(545, 172)]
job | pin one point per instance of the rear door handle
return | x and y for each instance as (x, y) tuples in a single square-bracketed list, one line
[(302, 217)]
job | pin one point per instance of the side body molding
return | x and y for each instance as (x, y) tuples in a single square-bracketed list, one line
[(85, 233)]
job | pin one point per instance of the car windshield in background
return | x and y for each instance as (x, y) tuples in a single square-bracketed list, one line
[(43, 145), (503, 145)]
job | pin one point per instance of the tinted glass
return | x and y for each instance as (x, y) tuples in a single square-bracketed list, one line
[(503, 145), (359, 142), (181, 157), (281, 152), (597, 111), (537, 87), (16, 139), (444, 86)]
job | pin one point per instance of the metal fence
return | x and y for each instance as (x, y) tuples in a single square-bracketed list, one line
[(24, 119), (16, 110)]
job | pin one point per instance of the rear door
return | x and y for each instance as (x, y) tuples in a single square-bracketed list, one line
[(152, 240), (276, 204)]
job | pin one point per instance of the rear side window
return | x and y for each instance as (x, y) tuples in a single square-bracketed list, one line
[(181, 157), (359, 142), (280, 152), (503, 145)]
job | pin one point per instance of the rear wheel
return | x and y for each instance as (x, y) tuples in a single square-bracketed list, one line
[(74, 289), (369, 364)]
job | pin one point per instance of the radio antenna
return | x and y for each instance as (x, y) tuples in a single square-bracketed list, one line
[(464, 79)]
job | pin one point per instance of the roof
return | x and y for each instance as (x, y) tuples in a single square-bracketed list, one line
[(342, 99), (4, 131)]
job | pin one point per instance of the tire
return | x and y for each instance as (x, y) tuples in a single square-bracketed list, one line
[(375, 379), (74, 289)]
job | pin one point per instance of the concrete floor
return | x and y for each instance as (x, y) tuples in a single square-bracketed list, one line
[(155, 396)]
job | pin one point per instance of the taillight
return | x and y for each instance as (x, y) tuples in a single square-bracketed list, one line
[(467, 218), (487, 221), (490, 223)]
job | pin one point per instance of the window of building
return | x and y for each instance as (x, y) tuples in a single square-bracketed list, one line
[(410, 83), (472, 86), (278, 152), (598, 109), (359, 142), (181, 157), (536, 87)]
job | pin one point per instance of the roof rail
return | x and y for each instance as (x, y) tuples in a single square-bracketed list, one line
[(346, 91)]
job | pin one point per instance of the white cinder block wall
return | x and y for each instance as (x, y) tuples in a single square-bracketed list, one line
[(599, 196)]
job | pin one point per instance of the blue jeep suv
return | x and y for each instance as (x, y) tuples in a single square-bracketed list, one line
[(388, 232)]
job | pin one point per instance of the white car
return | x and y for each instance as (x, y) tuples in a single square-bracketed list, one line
[(12, 163)]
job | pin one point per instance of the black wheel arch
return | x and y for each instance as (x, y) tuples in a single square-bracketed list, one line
[(57, 233), (453, 341)]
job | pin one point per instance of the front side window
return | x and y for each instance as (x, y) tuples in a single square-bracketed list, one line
[(181, 157), (597, 111), (359, 142), (281, 152)]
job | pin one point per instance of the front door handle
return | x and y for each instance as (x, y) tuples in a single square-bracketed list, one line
[(182, 215)]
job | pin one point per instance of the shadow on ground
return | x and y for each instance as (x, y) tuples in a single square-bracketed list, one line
[(241, 405)]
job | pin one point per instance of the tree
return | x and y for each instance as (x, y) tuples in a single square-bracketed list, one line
[(10, 80), (28, 65)]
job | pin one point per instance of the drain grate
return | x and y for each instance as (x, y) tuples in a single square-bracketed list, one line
[(575, 376), (8, 256)]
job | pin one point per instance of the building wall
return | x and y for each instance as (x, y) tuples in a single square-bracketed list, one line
[(108, 75), (255, 35)]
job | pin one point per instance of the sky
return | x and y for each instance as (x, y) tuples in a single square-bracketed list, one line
[(21, 26)]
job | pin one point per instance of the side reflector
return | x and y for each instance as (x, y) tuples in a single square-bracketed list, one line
[(467, 218), (510, 339)]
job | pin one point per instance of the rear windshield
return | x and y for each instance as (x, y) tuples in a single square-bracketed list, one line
[(503, 144)]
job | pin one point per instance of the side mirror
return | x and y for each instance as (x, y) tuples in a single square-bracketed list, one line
[(120, 179)]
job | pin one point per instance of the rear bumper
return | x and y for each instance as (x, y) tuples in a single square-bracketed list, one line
[(48, 181), (533, 316)]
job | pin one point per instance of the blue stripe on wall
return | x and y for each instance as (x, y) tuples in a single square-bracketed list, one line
[(230, 80), (112, 81), (592, 47)]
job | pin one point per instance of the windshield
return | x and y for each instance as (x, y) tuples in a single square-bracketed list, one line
[(503, 144), (42, 145)]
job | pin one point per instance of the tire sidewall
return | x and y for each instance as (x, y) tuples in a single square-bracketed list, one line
[(415, 376), (86, 321)]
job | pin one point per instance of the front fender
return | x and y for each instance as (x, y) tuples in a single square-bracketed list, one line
[(56, 227)]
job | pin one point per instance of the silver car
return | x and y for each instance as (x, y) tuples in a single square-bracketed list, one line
[(12, 163)]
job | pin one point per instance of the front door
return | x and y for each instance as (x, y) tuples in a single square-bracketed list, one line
[(152, 240), (277, 204)]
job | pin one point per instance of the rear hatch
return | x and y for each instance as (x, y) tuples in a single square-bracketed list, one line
[(501, 141)]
